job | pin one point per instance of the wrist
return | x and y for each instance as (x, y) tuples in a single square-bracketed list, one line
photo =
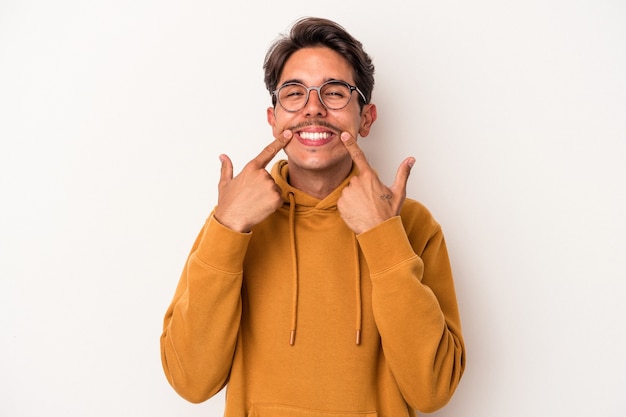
[(234, 226)]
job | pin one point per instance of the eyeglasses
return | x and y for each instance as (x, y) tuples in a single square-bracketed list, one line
[(334, 95)]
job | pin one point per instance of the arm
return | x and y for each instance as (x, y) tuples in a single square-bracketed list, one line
[(413, 297), (201, 324), (415, 308)]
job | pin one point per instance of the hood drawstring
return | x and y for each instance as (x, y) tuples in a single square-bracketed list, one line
[(294, 258), (359, 302)]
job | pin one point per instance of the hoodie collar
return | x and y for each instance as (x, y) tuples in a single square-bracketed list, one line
[(280, 173)]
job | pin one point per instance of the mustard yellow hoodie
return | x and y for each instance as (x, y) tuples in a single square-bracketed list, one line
[(302, 318)]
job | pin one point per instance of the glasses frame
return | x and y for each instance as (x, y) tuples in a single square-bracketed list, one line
[(319, 94)]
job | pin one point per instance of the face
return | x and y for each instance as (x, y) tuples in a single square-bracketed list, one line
[(316, 144)]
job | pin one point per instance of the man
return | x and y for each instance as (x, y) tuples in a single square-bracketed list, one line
[(316, 290)]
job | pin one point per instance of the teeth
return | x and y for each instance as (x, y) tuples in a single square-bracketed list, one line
[(314, 135)]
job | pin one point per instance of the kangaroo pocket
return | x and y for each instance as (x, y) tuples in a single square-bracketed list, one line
[(277, 410)]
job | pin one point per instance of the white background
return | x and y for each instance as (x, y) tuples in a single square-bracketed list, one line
[(112, 117)]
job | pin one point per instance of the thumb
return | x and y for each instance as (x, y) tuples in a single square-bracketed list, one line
[(402, 176), (226, 172)]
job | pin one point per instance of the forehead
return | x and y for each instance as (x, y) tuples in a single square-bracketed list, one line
[(314, 65)]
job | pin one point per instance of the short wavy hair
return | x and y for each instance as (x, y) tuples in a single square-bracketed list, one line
[(313, 32)]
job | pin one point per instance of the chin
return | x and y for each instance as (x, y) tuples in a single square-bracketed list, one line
[(310, 164), (317, 159), (319, 164)]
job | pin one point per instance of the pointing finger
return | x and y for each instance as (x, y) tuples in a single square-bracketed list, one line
[(268, 153), (355, 152)]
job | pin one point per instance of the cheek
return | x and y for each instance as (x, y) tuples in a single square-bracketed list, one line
[(284, 122), (275, 130)]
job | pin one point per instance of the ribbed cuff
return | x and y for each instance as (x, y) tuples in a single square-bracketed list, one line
[(221, 247), (386, 245)]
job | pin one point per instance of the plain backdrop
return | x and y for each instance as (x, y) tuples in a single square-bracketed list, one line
[(112, 117)]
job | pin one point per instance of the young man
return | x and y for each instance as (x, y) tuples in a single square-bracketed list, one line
[(316, 290)]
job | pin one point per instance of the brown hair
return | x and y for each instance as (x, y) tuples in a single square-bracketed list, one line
[(311, 32)]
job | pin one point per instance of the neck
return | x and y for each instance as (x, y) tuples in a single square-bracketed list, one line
[(318, 184)]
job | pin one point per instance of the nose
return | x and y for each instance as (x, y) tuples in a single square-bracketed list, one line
[(314, 105)]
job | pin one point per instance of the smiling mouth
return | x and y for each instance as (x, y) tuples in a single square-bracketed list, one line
[(314, 136)]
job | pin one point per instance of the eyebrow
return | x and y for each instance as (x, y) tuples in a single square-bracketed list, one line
[(293, 80), (296, 80)]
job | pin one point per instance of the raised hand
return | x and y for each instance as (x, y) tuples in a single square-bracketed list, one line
[(251, 196), (366, 201)]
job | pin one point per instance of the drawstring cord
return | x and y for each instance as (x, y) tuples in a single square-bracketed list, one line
[(359, 301), (292, 230)]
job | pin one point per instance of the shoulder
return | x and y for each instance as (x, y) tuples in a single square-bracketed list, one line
[(419, 223), (414, 211)]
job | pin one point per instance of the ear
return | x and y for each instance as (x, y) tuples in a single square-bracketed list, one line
[(271, 119), (368, 117), (271, 116)]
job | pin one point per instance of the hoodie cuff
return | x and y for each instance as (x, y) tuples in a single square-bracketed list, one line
[(222, 248), (386, 245)]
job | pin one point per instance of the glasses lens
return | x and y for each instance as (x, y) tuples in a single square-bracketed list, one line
[(292, 96), (335, 95)]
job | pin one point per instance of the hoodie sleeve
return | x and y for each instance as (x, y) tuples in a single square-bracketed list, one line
[(202, 322), (415, 307)]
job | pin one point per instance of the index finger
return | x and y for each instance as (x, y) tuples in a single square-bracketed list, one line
[(358, 156), (269, 152)]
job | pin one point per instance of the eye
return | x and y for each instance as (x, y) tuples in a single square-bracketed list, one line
[(292, 91), (336, 91)]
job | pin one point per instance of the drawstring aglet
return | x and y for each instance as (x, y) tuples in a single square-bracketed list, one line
[(292, 338), (358, 337)]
